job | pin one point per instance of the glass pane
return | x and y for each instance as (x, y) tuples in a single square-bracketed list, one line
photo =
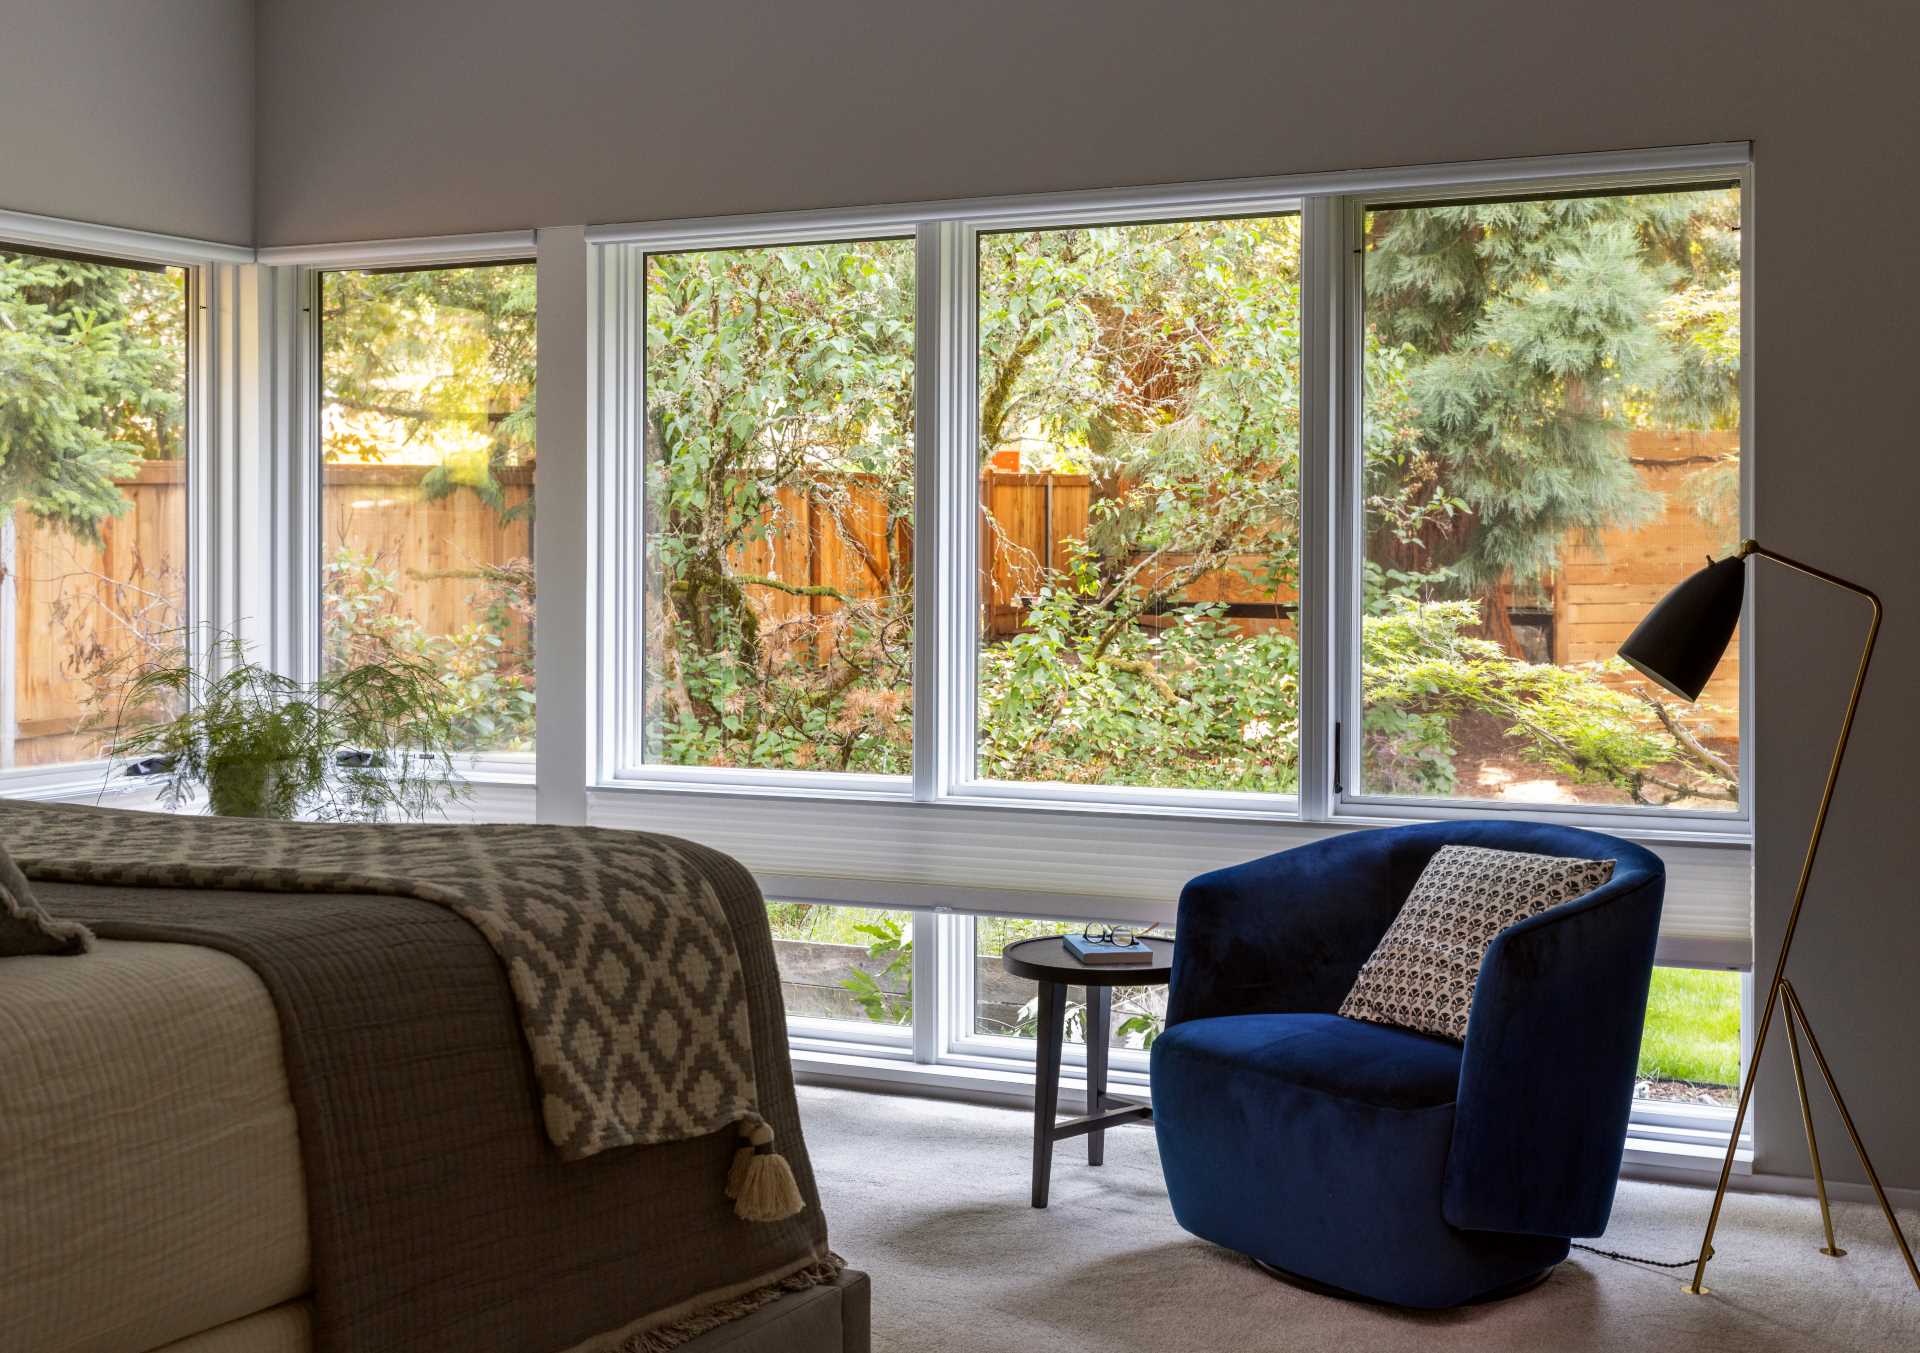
[(846, 963), (427, 442), (779, 463), (1552, 442), (1006, 1005), (1139, 505), (1690, 1052), (93, 553)]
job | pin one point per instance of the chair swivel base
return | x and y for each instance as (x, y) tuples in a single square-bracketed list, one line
[(1305, 1284)]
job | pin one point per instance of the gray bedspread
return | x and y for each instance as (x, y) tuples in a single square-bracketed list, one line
[(442, 1218)]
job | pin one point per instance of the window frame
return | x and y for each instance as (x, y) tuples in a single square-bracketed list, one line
[(622, 297), (213, 353), (1347, 797), (302, 612), (946, 576)]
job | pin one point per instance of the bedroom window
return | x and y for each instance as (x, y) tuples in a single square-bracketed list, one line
[(1551, 440), (1139, 452), (779, 508), (427, 482), (94, 406)]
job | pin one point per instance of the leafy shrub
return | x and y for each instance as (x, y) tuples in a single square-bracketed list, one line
[(486, 666)]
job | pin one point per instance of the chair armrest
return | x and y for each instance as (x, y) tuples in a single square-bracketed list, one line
[(1546, 1077), (1286, 933)]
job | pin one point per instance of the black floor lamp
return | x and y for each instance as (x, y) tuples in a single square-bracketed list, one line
[(1678, 645)]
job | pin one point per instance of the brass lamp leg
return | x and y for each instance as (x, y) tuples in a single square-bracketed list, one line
[(1826, 1073), (1806, 1119), (1696, 1285)]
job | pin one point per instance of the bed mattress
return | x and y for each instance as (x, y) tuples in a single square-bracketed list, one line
[(151, 1176)]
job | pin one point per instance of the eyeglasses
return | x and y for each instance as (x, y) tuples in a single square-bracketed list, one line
[(1124, 936)]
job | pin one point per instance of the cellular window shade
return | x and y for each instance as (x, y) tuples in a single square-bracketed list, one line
[(1096, 865), (1707, 920)]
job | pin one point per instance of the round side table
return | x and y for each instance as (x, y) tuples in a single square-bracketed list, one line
[(1047, 962)]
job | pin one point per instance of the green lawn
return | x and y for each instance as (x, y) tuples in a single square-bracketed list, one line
[(1693, 1027)]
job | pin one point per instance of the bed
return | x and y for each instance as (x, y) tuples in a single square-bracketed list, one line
[(184, 1170)]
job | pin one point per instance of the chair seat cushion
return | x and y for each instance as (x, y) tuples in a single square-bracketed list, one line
[(1344, 1058)]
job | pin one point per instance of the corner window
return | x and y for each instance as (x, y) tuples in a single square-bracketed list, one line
[(1551, 442), (93, 462), (427, 507)]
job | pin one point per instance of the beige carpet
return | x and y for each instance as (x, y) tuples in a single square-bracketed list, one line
[(931, 1199)]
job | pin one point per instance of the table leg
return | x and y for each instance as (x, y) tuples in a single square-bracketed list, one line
[(1099, 1023), (1046, 1089)]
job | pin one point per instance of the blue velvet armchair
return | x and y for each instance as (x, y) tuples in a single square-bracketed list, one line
[(1384, 1163)]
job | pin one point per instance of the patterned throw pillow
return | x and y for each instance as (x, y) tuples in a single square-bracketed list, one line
[(1422, 972), (24, 927)]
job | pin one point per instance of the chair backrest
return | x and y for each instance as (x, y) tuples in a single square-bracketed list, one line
[(1289, 932), (1407, 850)]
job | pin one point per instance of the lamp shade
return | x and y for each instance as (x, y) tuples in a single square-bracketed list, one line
[(1682, 639)]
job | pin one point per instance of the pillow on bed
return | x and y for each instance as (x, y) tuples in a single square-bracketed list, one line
[(24, 927)]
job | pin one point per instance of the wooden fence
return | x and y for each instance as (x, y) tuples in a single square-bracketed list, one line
[(76, 603), (1603, 592), (74, 600)]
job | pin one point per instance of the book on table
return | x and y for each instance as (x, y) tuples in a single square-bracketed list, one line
[(1096, 954)]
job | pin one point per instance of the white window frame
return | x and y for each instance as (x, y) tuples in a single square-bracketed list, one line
[(622, 323), (1348, 798), (299, 612), (213, 354), (849, 822)]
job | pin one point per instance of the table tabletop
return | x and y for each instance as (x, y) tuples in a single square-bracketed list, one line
[(1046, 960)]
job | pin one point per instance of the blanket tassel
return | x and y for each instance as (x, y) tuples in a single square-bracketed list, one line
[(760, 1181)]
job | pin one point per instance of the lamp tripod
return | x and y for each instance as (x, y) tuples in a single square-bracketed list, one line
[(1782, 997)]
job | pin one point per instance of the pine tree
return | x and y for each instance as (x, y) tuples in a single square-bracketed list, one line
[(89, 384), (1536, 333)]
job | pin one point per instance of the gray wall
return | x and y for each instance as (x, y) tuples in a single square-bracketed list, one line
[(130, 113), (382, 120)]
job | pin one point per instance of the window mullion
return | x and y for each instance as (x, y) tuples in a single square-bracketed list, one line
[(1323, 674), (929, 943), (1343, 230), (929, 424), (946, 536), (299, 629)]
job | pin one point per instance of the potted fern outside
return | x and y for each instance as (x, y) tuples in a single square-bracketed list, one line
[(369, 743)]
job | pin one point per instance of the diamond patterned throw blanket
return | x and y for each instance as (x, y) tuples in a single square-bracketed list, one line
[(619, 955)]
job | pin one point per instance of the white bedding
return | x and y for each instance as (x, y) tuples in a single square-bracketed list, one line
[(150, 1181)]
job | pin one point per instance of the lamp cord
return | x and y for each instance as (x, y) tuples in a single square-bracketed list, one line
[(1633, 1258)]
